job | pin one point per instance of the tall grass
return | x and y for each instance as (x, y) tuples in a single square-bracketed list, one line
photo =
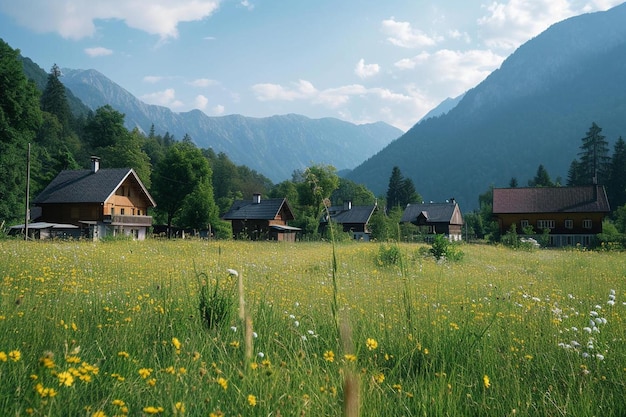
[(103, 329)]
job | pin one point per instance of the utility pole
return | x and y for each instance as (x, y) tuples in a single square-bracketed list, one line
[(27, 212)]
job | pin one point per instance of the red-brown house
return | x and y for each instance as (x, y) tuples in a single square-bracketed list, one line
[(102, 202), (573, 215), (262, 219)]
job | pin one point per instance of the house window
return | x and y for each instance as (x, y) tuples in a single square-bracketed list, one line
[(133, 211), (569, 224), (112, 211), (138, 212), (523, 223), (545, 224), (122, 211), (587, 224)]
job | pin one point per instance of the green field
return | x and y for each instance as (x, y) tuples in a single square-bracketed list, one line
[(115, 329)]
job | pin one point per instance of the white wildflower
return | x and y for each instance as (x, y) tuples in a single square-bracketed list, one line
[(611, 303), (593, 313), (587, 329), (232, 272), (296, 323), (233, 328), (599, 356), (261, 355)]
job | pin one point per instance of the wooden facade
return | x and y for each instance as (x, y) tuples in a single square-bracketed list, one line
[(102, 202), (262, 219), (571, 215), (352, 219), (436, 218)]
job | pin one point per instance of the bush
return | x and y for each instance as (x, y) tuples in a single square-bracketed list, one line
[(388, 255), (442, 248)]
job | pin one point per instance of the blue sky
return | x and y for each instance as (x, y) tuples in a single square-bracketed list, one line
[(357, 60)]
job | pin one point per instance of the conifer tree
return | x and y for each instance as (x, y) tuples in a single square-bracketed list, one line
[(594, 156)]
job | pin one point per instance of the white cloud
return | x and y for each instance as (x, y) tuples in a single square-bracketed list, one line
[(247, 4), (74, 19), (152, 79), (402, 34), (163, 98), (218, 110), (202, 82), (365, 71), (201, 102), (98, 51), (270, 92), (508, 24)]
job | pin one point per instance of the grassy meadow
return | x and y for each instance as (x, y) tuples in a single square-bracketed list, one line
[(115, 329)]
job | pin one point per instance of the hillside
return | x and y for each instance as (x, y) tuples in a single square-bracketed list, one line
[(274, 146), (531, 111)]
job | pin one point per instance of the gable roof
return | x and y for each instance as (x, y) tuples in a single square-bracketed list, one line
[(432, 212), (583, 199), (266, 209), (86, 186), (354, 215)]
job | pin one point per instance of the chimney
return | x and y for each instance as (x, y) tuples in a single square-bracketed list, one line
[(452, 201), (256, 198), (347, 205), (95, 164)]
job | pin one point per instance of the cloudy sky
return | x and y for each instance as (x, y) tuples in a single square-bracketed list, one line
[(357, 60)]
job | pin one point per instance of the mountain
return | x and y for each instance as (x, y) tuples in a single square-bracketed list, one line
[(274, 146), (443, 107), (533, 110)]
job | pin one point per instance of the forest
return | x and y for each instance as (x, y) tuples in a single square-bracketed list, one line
[(194, 187)]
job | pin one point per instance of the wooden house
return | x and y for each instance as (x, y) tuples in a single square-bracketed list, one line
[(572, 215), (436, 218), (102, 202), (262, 219), (352, 219)]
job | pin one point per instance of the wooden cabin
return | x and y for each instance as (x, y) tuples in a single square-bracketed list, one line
[(262, 219), (436, 218), (572, 215), (102, 202)]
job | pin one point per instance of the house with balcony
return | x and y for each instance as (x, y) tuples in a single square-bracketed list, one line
[(100, 202), (571, 215)]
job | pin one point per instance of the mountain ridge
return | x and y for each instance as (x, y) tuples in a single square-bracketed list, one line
[(274, 146), (532, 110)]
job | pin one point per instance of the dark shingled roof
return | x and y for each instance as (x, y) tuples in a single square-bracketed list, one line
[(266, 209), (86, 186), (434, 212), (355, 215), (584, 199)]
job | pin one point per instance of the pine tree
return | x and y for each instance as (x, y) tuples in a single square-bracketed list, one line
[(542, 178), (401, 190), (594, 156), (616, 186), (54, 99)]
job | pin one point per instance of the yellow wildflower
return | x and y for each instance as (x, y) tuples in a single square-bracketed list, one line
[(371, 344), (123, 354), (152, 410), (99, 413), (329, 356), (177, 344), (350, 357), (222, 382), (65, 378), (118, 403), (145, 372), (251, 400), (486, 382), (379, 377), (151, 382), (3, 357), (180, 406), (15, 355)]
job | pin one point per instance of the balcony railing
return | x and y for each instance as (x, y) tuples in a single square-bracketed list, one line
[(123, 220)]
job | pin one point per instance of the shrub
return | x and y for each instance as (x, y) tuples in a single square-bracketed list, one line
[(442, 248), (388, 255)]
